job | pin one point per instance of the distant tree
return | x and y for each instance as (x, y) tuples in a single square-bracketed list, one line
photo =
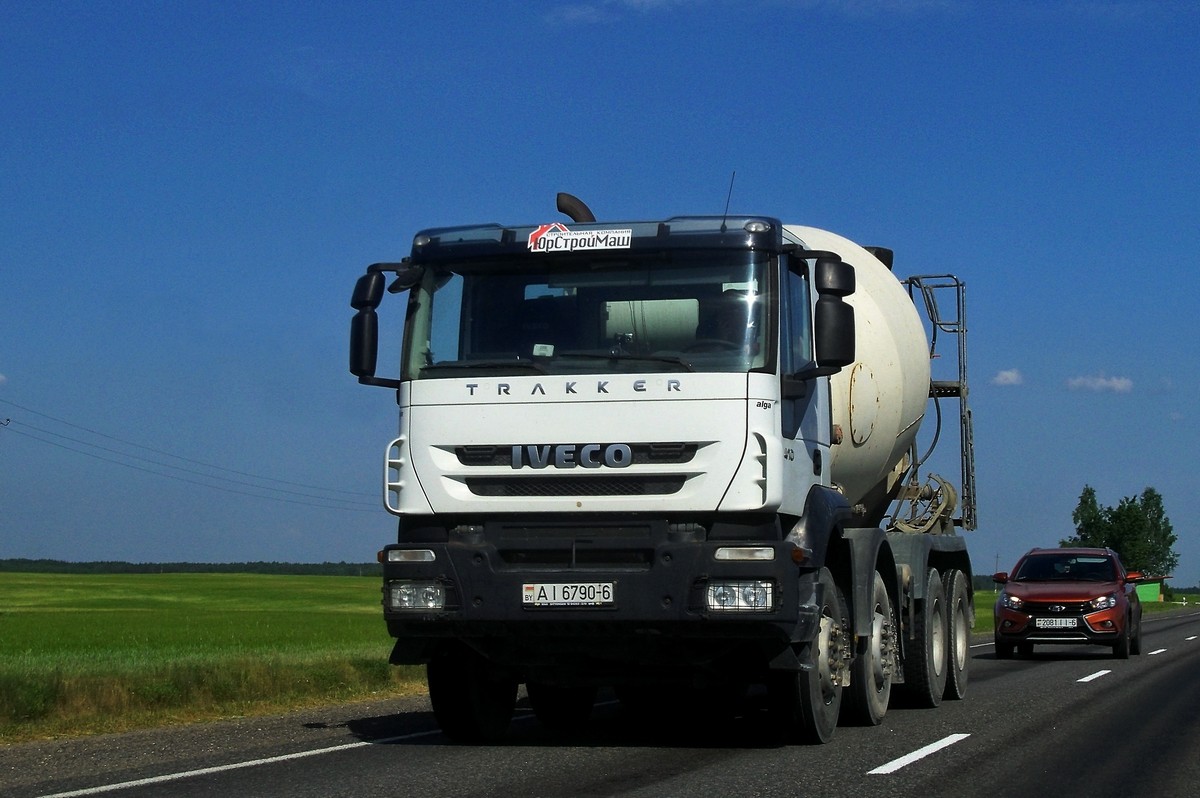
[(1137, 529)]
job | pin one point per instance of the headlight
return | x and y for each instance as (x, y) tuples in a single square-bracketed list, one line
[(741, 595), (1104, 602), (1010, 602), (416, 595)]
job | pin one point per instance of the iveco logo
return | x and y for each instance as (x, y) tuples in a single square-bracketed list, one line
[(1057, 608), (569, 455)]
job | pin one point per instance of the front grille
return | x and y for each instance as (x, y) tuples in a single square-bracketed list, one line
[(1059, 608), (668, 453), (577, 557), (529, 487)]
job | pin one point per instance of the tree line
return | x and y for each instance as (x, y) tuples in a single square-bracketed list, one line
[(1137, 529)]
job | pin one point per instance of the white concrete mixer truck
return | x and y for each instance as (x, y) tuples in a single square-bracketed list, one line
[(670, 455)]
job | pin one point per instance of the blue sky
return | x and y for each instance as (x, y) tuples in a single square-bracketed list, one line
[(189, 191)]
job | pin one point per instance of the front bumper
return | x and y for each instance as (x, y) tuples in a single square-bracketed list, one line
[(1103, 627), (658, 624)]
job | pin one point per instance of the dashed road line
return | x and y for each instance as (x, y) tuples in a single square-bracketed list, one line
[(1094, 676), (920, 753)]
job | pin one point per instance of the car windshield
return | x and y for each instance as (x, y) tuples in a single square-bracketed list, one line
[(679, 311), (1061, 567)]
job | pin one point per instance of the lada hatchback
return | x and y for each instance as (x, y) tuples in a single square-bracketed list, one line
[(1066, 596)]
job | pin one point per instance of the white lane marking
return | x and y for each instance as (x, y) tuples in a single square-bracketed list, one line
[(1094, 676), (1156, 651), (1193, 637), (255, 762), (921, 753), (235, 766)]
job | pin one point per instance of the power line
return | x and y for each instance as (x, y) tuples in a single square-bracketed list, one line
[(241, 487), (172, 454), (197, 482)]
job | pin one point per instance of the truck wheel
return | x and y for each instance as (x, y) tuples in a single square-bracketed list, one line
[(958, 602), (804, 705), (561, 708), (871, 671), (925, 666), (472, 702)]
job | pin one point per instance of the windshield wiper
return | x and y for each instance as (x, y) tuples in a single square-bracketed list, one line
[(625, 356), (485, 365)]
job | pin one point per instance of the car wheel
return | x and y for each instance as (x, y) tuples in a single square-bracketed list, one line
[(1004, 650), (1025, 649), (1121, 647), (1135, 642)]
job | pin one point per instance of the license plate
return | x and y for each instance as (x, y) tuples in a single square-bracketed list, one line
[(567, 594), (1056, 623)]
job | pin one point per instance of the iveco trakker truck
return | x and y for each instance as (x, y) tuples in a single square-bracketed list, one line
[(663, 455)]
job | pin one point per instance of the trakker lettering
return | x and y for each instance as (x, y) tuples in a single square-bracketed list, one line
[(558, 238), (570, 387), (569, 455)]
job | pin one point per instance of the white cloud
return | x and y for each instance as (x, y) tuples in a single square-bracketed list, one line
[(1101, 383), (1008, 377)]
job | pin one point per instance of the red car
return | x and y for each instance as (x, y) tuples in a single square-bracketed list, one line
[(1065, 596)]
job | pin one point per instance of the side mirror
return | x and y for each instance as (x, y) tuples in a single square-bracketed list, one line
[(368, 291), (364, 343), (833, 320), (832, 276), (833, 329), (1000, 578), (364, 328)]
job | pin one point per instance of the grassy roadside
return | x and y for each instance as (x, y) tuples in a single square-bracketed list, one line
[(83, 654)]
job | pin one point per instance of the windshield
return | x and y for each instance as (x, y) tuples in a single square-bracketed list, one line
[(1054, 567), (675, 312)]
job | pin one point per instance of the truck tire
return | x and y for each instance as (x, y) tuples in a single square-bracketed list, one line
[(958, 601), (561, 708), (926, 662), (472, 702), (804, 705), (871, 671)]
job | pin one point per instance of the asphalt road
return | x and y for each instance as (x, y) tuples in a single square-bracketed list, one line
[(1068, 721)]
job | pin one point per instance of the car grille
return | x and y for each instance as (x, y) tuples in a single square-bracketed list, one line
[(1056, 608)]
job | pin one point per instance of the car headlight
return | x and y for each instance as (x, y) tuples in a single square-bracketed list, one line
[(1010, 602), (1104, 602)]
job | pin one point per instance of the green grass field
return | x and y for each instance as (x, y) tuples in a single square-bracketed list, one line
[(90, 653)]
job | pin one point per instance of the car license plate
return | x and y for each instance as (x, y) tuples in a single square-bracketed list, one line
[(1056, 623), (568, 594)]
